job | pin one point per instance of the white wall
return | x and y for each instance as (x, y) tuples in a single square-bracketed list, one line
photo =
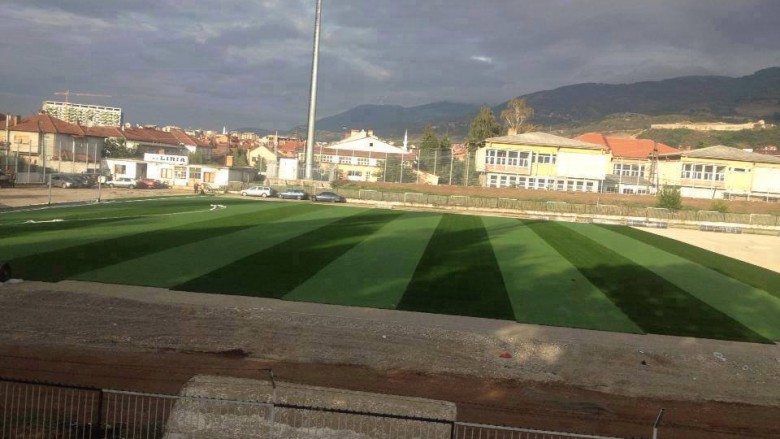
[(569, 164), (766, 180)]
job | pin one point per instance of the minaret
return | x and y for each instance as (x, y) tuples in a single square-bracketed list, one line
[(406, 138)]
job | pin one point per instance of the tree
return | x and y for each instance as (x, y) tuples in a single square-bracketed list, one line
[(240, 159), (517, 115), (429, 140), (669, 197), (483, 126), (116, 148), (445, 144)]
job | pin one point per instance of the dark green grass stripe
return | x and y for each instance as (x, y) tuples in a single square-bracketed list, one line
[(655, 304), (64, 263), (278, 270), (750, 274), (458, 273)]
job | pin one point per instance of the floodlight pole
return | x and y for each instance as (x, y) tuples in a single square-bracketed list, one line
[(313, 93)]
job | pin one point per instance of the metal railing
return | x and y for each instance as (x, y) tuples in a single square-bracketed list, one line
[(47, 410)]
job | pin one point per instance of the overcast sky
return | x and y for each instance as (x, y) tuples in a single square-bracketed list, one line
[(246, 63)]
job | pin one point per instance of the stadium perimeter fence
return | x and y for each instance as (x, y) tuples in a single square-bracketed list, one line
[(559, 207), (47, 410)]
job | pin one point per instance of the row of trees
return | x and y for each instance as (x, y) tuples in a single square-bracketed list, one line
[(485, 125)]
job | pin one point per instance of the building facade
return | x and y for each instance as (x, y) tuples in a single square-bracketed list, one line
[(86, 115), (722, 172), (542, 161)]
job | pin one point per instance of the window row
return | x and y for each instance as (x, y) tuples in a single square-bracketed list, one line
[(628, 170), (499, 181), (346, 160), (522, 159), (704, 172)]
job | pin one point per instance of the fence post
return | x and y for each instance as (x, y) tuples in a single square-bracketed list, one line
[(657, 423), (97, 427)]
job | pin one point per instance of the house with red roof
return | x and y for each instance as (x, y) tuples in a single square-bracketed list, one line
[(633, 169), (40, 144)]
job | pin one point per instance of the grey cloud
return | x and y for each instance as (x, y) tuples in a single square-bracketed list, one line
[(246, 63)]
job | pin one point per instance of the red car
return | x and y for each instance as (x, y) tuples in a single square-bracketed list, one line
[(150, 183)]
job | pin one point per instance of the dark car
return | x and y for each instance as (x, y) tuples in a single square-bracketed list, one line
[(294, 194), (68, 181), (330, 197)]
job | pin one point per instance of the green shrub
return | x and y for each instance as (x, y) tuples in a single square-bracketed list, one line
[(719, 206), (669, 197)]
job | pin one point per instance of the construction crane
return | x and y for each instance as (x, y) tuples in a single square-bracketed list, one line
[(67, 94)]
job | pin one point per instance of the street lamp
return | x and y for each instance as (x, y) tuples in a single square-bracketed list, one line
[(313, 92)]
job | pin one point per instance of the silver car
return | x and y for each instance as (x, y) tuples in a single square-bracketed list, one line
[(259, 191), (127, 182)]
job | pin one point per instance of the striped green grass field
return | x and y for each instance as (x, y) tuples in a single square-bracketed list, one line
[(606, 278)]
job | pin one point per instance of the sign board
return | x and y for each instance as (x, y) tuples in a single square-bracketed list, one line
[(162, 158)]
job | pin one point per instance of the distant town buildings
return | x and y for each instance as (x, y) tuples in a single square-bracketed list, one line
[(87, 115), (711, 126)]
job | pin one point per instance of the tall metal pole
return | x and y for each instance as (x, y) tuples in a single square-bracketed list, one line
[(313, 92)]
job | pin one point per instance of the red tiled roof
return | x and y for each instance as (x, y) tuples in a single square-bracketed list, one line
[(47, 124), (627, 148), (103, 131)]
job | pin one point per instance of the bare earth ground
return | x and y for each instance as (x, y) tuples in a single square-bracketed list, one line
[(593, 382)]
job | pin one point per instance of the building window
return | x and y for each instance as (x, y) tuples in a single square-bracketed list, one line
[(704, 172), (544, 159), (739, 170), (180, 172), (353, 173), (195, 173), (507, 158), (628, 170), (120, 169), (345, 160), (362, 161), (166, 173), (326, 158)]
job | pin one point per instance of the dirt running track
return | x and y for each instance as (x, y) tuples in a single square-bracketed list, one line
[(151, 339)]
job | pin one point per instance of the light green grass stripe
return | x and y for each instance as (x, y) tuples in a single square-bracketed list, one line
[(178, 265), (97, 230), (754, 308), (544, 287), (376, 272)]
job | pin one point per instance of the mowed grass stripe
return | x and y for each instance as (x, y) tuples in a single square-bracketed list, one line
[(544, 287), (115, 209), (655, 304), (216, 252), (458, 273), (61, 264), (750, 274), (752, 307), (94, 230), (376, 272), (278, 270)]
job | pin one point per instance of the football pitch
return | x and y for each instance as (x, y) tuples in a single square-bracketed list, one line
[(609, 278)]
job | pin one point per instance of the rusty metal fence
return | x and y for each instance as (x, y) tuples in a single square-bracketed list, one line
[(44, 410)]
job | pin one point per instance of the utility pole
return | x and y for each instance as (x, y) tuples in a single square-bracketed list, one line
[(313, 92)]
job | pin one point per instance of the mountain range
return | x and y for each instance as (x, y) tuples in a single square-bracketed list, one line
[(753, 96)]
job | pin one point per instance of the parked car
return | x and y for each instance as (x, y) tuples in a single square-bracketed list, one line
[(329, 196), (150, 183), (92, 175), (295, 194), (259, 191), (127, 182), (68, 181)]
